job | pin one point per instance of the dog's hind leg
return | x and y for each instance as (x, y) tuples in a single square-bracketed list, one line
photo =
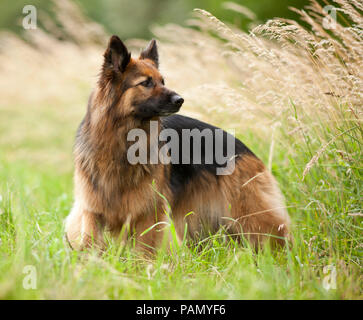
[(262, 213), (84, 229), (257, 205)]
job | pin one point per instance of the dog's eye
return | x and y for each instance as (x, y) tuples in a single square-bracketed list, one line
[(147, 83)]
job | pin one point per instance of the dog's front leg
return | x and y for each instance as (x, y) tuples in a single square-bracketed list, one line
[(84, 229), (152, 233)]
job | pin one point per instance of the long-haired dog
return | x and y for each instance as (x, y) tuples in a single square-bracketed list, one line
[(112, 194)]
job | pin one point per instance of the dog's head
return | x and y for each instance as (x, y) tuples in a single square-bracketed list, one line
[(136, 85)]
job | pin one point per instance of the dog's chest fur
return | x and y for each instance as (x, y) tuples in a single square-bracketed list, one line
[(108, 184)]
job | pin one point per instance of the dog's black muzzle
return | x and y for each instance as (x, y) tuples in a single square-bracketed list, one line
[(164, 105)]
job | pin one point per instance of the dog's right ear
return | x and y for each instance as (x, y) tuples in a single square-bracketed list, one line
[(116, 55)]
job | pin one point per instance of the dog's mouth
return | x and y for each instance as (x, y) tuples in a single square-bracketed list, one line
[(168, 112), (169, 109), (149, 110)]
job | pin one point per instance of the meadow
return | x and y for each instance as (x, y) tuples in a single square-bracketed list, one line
[(294, 96)]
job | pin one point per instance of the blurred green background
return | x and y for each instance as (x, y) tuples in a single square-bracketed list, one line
[(133, 18)]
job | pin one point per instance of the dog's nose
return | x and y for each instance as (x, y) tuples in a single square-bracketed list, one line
[(177, 100)]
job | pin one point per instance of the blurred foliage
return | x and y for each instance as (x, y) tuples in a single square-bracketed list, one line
[(133, 18)]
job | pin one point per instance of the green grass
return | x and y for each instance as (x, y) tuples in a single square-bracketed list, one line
[(37, 192)]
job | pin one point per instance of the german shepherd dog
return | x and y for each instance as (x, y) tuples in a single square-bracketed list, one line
[(112, 194)]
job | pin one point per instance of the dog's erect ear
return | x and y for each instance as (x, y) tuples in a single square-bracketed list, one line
[(151, 52), (117, 55)]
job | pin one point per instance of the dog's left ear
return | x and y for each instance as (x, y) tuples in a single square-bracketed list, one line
[(151, 52)]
